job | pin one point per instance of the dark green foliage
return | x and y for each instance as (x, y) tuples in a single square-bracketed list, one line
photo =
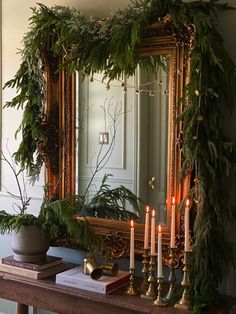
[(56, 217), (10, 222), (109, 45), (109, 203)]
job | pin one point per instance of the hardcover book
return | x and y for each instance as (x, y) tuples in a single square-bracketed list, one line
[(75, 277), (49, 262), (33, 274)]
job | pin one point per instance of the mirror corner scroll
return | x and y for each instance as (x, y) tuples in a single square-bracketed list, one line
[(159, 39)]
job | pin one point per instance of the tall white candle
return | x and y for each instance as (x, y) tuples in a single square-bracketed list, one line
[(172, 234), (131, 262), (159, 252), (186, 227), (153, 229), (146, 232)]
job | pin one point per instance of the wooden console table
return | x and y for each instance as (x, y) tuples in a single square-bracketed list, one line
[(45, 294)]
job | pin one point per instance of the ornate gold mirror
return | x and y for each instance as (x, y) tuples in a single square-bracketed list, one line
[(67, 156)]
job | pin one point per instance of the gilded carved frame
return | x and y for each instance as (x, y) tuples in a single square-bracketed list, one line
[(162, 37)]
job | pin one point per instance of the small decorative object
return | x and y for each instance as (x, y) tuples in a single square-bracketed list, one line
[(110, 269), (92, 268), (172, 264), (160, 301), (151, 293), (145, 262), (184, 302)]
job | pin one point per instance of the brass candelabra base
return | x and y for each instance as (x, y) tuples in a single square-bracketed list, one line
[(172, 264), (131, 290), (159, 300), (144, 285), (184, 302), (151, 292)]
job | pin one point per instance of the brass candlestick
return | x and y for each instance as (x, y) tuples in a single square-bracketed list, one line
[(160, 301), (184, 302), (145, 262), (151, 293), (131, 289), (172, 264)]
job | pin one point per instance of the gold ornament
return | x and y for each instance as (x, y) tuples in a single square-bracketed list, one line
[(199, 118), (194, 138), (196, 92)]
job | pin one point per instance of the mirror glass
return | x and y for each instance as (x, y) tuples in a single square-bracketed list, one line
[(122, 129)]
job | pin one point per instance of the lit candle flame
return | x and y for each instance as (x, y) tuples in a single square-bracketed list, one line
[(187, 203), (132, 223), (147, 209), (173, 200), (153, 213), (159, 228)]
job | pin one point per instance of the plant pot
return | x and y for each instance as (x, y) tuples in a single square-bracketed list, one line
[(30, 244)]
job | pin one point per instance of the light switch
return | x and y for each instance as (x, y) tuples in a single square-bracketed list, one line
[(103, 138)]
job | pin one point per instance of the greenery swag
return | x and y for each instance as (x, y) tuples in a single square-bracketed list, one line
[(109, 45)]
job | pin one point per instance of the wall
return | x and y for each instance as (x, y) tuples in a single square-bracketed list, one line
[(14, 23)]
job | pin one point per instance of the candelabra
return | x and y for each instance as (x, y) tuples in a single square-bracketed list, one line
[(159, 301), (184, 302), (172, 264), (145, 262), (131, 289), (151, 293)]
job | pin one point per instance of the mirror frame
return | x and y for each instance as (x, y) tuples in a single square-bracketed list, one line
[(163, 37)]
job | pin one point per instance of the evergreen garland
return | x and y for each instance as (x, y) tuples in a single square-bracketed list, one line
[(208, 153)]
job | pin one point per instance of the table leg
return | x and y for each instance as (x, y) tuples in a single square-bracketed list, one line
[(21, 308)]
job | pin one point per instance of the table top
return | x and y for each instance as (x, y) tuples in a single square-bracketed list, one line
[(46, 294)]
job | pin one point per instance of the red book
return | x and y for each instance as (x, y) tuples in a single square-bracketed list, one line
[(48, 262)]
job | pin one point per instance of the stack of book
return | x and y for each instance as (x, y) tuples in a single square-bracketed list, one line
[(75, 277), (51, 266)]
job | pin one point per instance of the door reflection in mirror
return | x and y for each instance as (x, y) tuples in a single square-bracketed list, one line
[(154, 140), (122, 129)]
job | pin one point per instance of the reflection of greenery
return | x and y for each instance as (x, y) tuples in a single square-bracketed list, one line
[(110, 203), (106, 203)]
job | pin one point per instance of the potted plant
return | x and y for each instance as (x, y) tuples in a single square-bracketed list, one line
[(31, 235)]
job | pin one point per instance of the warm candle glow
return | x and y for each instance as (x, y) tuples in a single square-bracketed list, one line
[(146, 231), (132, 263), (153, 227), (172, 234), (159, 254), (186, 227)]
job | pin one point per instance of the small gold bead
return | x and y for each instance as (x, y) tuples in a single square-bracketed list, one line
[(200, 118)]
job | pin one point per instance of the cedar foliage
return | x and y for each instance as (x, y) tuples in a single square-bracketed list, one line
[(109, 45)]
